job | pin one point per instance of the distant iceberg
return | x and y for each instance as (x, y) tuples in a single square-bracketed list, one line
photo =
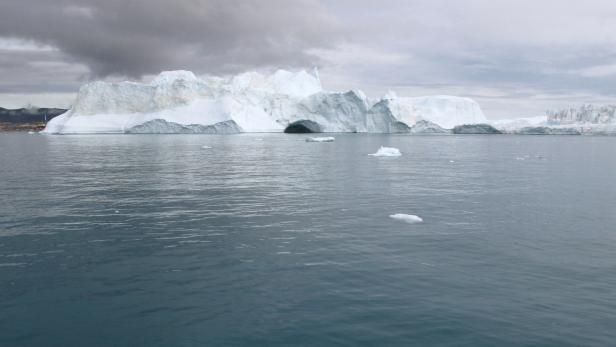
[(585, 114), (321, 139), (583, 120), (180, 102), (387, 152)]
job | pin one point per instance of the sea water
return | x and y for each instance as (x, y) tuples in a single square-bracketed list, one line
[(269, 240)]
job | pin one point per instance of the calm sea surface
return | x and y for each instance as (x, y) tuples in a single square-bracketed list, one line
[(267, 240)]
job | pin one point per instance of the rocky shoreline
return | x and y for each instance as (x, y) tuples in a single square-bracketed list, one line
[(27, 119)]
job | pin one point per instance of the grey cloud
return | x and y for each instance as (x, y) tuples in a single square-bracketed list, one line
[(28, 71), (146, 36)]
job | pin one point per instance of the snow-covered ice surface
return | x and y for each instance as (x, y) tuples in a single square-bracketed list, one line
[(387, 152), (407, 218), (321, 139), (179, 101)]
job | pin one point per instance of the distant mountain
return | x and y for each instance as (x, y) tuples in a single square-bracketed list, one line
[(29, 115)]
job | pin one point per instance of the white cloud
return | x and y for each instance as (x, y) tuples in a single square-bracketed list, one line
[(598, 71), (13, 44)]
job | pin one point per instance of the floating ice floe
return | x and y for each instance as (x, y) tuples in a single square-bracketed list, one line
[(320, 139), (31, 132), (206, 147), (407, 218), (387, 152)]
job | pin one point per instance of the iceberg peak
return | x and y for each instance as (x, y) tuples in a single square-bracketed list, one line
[(168, 77), (390, 95)]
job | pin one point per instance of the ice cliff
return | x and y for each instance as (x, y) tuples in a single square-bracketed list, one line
[(180, 102)]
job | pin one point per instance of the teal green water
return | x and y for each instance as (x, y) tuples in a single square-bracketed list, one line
[(266, 240)]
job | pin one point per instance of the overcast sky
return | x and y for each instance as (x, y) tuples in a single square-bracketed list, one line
[(515, 57)]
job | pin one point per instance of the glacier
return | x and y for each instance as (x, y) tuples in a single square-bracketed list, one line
[(284, 101)]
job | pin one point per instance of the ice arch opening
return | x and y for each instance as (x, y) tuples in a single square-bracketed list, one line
[(303, 126)]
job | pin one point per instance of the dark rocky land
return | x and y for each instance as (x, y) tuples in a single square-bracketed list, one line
[(27, 119)]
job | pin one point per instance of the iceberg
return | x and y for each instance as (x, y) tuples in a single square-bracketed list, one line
[(320, 139), (585, 114), (407, 218), (587, 119), (387, 152), (583, 120), (294, 102)]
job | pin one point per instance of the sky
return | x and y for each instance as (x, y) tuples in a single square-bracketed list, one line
[(517, 58)]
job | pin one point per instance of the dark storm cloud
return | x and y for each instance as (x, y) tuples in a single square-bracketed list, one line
[(138, 37), (38, 71)]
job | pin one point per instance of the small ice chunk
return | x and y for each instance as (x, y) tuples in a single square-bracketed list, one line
[(206, 147), (31, 132), (320, 139), (387, 152), (116, 211), (407, 218), (452, 161)]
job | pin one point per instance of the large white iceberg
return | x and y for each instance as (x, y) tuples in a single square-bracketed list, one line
[(180, 102)]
